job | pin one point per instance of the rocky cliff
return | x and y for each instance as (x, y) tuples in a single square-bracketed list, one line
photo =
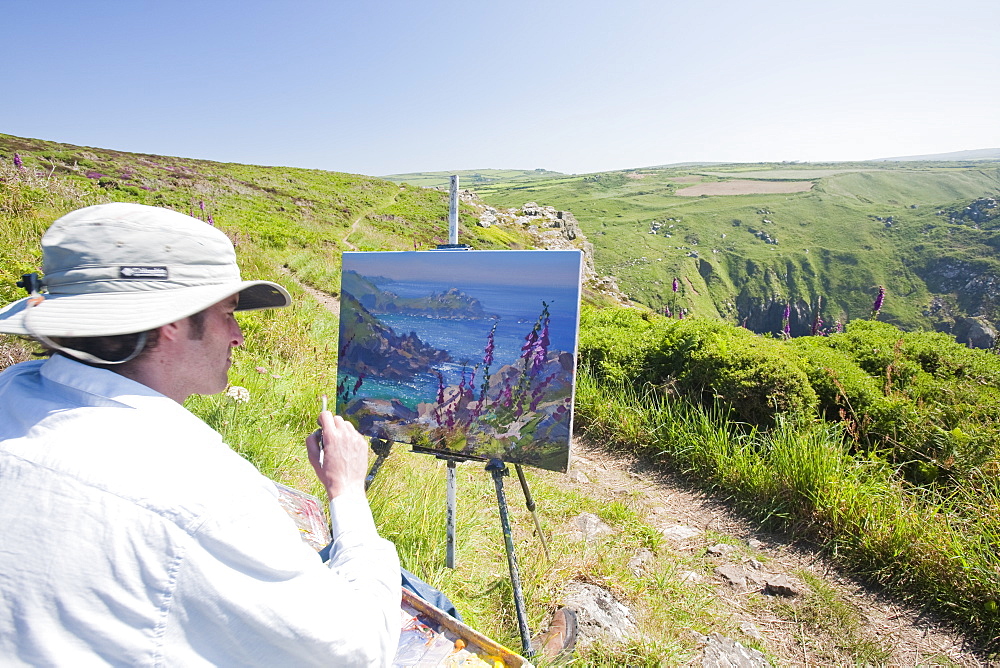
[(550, 229)]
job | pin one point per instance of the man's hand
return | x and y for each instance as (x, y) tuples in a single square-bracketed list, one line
[(345, 455)]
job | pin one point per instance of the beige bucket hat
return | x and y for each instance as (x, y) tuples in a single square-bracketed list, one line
[(124, 268)]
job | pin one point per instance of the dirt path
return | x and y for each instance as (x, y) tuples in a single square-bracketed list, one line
[(906, 636), (351, 230)]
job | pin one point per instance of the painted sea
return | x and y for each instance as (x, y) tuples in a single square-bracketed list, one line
[(516, 310), (513, 314)]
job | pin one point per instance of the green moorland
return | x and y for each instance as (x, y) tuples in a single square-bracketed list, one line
[(880, 444), (854, 227)]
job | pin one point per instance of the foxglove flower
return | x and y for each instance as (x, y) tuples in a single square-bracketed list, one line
[(877, 306), (490, 347), (675, 285), (18, 162)]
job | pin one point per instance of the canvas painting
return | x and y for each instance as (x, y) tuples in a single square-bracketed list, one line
[(461, 351)]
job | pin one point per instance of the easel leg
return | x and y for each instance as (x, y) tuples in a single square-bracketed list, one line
[(381, 447), (498, 470), (452, 486), (530, 503)]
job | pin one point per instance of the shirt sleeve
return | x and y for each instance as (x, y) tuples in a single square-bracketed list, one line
[(250, 592)]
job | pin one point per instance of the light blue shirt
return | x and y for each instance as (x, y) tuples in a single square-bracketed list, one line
[(130, 534)]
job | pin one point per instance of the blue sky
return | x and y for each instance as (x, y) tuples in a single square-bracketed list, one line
[(573, 86), (555, 269)]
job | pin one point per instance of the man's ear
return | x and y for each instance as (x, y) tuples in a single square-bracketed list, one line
[(172, 331)]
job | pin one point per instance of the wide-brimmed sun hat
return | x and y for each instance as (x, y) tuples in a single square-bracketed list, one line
[(124, 268)]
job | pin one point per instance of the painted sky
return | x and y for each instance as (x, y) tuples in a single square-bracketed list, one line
[(573, 86), (558, 269)]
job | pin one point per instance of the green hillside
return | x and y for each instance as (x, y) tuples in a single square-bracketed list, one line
[(737, 256), (299, 219)]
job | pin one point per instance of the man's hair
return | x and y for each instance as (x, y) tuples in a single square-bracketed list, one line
[(114, 348)]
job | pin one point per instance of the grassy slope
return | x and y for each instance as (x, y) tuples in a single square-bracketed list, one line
[(300, 218), (829, 243)]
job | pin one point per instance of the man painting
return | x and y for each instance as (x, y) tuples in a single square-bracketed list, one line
[(130, 534)]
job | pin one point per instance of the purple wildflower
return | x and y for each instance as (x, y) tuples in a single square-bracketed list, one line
[(211, 221), (18, 162), (344, 348), (440, 398), (541, 348), (786, 324), (490, 347), (877, 306), (505, 397), (539, 392), (666, 311), (94, 175), (529, 343), (675, 284), (201, 205)]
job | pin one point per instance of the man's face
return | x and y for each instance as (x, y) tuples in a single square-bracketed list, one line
[(208, 358)]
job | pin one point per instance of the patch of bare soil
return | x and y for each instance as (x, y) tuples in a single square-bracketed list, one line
[(328, 301), (746, 187), (911, 636)]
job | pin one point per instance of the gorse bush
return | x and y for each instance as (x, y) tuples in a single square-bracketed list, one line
[(918, 400), (753, 377)]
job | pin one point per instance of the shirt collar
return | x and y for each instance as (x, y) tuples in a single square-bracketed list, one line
[(96, 382)]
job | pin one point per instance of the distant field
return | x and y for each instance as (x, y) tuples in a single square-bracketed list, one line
[(744, 187), (789, 173)]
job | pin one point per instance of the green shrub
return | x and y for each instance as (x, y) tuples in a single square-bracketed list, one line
[(876, 347), (841, 386), (616, 343), (755, 376)]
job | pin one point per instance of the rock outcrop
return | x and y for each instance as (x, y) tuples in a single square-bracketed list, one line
[(550, 229), (975, 332)]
